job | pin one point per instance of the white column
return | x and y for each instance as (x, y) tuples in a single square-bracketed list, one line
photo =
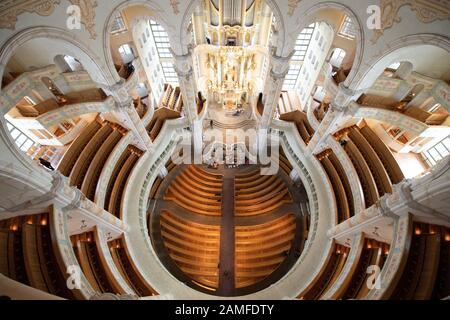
[(184, 69)]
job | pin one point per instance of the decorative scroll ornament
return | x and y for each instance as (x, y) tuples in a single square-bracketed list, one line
[(11, 9), (426, 11), (174, 4), (87, 10), (292, 5)]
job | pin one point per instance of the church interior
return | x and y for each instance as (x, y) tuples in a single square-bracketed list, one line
[(224, 149)]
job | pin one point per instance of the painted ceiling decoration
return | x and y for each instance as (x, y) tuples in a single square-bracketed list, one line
[(426, 11), (11, 9)]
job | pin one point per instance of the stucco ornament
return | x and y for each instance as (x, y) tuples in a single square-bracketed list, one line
[(11, 9), (426, 11), (87, 11), (174, 4), (292, 5)]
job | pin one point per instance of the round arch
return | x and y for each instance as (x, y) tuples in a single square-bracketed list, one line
[(402, 49), (70, 46), (310, 15), (155, 13), (92, 64)]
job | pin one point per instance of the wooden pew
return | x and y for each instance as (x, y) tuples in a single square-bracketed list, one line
[(260, 249), (365, 176), (256, 194), (121, 258), (342, 202), (76, 147), (197, 191), (91, 262), (119, 165), (90, 181), (419, 276), (81, 166), (41, 266), (300, 119), (379, 173), (333, 268), (374, 253), (385, 155), (115, 200), (193, 247)]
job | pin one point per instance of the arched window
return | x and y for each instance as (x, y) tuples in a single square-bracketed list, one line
[(337, 57), (126, 53)]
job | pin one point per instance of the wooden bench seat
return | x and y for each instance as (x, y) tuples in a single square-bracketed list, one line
[(365, 176), (81, 166), (259, 250), (92, 176), (385, 155), (123, 262), (382, 180), (115, 200), (330, 273), (194, 247), (339, 192), (76, 147)]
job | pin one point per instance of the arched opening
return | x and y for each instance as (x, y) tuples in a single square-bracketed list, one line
[(405, 81), (51, 80)]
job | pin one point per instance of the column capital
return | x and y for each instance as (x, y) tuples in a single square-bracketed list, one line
[(345, 95)]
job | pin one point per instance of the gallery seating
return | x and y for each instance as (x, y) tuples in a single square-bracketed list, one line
[(333, 268), (420, 274), (121, 258), (30, 255)]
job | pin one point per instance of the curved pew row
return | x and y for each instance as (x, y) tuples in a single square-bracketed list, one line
[(373, 255), (119, 180), (284, 163), (375, 165), (127, 269), (259, 194), (368, 184), (339, 182), (197, 191), (29, 255), (158, 181), (334, 265), (93, 263), (426, 274), (194, 248), (300, 119), (70, 157), (260, 249)]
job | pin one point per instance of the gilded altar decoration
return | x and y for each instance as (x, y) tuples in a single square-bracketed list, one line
[(87, 10), (426, 11), (292, 5), (11, 9)]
